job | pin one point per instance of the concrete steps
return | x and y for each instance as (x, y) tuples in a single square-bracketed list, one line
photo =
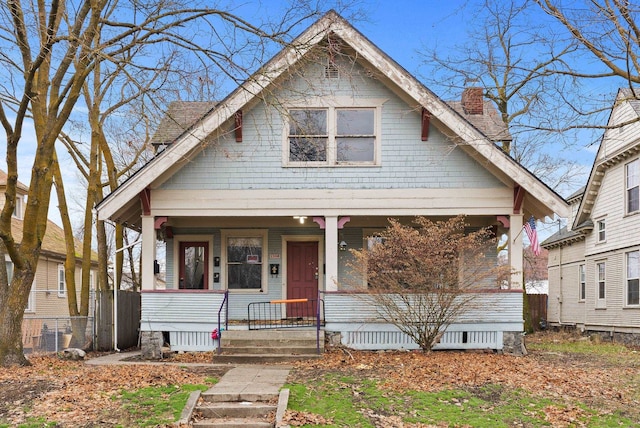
[(268, 346), (244, 397)]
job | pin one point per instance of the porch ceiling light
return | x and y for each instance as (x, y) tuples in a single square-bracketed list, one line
[(302, 218)]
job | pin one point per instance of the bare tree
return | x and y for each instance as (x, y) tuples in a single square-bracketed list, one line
[(422, 277), (514, 57), (48, 51)]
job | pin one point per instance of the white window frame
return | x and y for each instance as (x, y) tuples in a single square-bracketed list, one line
[(631, 276), (31, 303), (582, 283), (61, 281), (601, 282), (636, 164), (601, 230), (245, 233), (331, 105), (177, 239), (17, 210)]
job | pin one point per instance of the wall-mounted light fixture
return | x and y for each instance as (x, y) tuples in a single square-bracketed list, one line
[(301, 218), (343, 246)]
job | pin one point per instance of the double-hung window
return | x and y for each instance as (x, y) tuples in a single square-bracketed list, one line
[(62, 285), (633, 186), (332, 136), (582, 272), (633, 278), (602, 230), (601, 284)]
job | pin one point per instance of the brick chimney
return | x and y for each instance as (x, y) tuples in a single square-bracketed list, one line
[(472, 100)]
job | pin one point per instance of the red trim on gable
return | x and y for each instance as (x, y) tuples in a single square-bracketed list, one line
[(145, 200), (518, 197), (238, 129), (426, 117)]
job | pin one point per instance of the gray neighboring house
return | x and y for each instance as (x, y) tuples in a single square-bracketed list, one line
[(260, 196), (594, 263)]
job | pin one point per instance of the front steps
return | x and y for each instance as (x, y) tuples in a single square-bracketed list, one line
[(267, 346), (246, 396)]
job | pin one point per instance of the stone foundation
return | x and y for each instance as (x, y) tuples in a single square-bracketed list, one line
[(151, 345), (513, 343)]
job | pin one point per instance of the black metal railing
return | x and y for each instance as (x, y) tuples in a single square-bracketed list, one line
[(224, 306), (287, 313)]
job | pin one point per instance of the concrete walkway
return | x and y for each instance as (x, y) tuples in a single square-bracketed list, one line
[(250, 383)]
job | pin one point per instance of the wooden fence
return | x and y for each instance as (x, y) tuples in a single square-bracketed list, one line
[(128, 320), (537, 314)]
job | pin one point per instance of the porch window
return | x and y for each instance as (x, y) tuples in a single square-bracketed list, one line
[(332, 136), (245, 269), (194, 267), (633, 186), (633, 278), (601, 284), (582, 272)]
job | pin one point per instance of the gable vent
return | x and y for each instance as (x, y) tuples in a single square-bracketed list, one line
[(331, 69)]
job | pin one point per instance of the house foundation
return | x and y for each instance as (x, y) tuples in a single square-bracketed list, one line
[(151, 345)]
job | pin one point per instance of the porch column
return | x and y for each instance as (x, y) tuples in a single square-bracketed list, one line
[(515, 250), (148, 252), (331, 253)]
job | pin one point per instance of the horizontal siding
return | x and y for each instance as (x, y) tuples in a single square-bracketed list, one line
[(616, 139), (406, 161), (180, 311), (486, 308)]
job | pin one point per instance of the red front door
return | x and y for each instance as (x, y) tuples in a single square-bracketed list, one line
[(302, 277)]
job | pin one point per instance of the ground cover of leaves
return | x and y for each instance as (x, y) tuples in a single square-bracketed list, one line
[(75, 394)]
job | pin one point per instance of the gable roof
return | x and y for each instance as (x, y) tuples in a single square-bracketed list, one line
[(541, 200), (21, 188), (625, 97), (180, 116)]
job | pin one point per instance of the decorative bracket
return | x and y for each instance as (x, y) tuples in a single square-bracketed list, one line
[(518, 198), (343, 221), (145, 200), (426, 117), (238, 129)]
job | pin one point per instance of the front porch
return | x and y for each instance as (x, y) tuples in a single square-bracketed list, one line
[(190, 317)]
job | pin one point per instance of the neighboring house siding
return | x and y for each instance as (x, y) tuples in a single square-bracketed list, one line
[(617, 138), (564, 305), (610, 206), (407, 162)]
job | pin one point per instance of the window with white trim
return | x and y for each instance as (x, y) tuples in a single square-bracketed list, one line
[(332, 136), (633, 278), (582, 273), (601, 284), (244, 260), (62, 285), (602, 230), (17, 210), (31, 303), (632, 171)]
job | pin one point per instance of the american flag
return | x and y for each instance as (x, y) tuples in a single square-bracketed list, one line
[(530, 228)]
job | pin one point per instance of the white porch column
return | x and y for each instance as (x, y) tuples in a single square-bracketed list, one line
[(331, 253), (515, 251), (148, 252)]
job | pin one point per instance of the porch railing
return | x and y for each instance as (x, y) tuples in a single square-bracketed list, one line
[(224, 306), (286, 313)]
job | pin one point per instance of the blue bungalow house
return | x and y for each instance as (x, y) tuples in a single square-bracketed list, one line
[(256, 196)]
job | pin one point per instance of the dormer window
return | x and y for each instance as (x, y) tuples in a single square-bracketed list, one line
[(332, 136)]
